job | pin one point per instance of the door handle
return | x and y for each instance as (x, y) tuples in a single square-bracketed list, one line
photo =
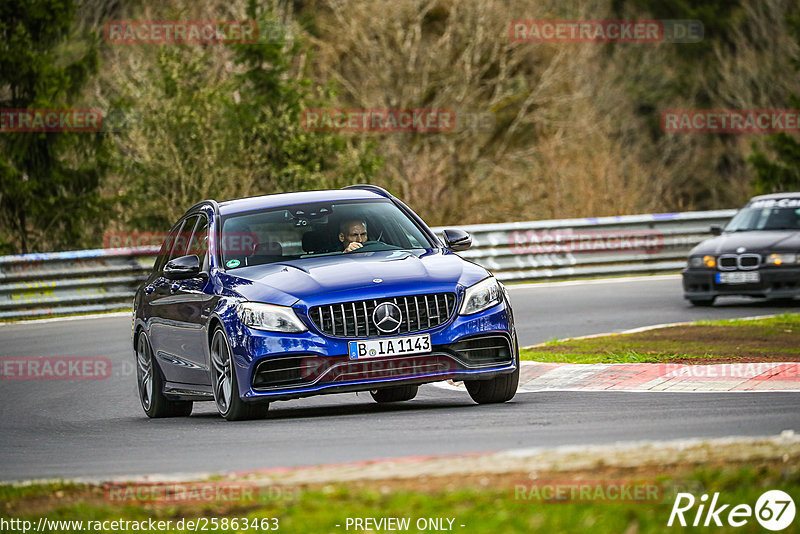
[(148, 289)]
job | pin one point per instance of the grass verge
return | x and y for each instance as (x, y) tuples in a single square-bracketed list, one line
[(508, 503), (762, 340)]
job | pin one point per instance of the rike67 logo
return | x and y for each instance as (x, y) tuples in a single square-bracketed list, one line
[(774, 510)]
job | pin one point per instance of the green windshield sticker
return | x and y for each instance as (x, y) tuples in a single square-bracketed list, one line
[(232, 263)]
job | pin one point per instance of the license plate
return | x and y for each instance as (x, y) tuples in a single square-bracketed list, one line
[(393, 346), (739, 277)]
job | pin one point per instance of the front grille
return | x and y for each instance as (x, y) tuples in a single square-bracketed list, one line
[(749, 261), (274, 374), (745, 262), (418, 365), (727, 262), (354, 319)]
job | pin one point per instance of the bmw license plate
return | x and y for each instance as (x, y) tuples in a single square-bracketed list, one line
[(739, 277), (392, 346)]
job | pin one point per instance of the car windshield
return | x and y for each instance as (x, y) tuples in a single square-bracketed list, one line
[(306, 230), (750, 219)]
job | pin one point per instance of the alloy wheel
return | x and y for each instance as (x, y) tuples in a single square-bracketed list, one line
[(144, 371), (222, 375)]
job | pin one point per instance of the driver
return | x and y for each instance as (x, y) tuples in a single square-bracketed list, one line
[(352, 233)]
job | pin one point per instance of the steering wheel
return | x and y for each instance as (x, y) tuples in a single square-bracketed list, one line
[(372, 246)]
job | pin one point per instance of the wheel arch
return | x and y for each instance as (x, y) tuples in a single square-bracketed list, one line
[(213, 323), (137, 329)]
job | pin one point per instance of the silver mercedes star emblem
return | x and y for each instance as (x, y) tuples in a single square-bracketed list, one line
[(740, 250), (387, 317)]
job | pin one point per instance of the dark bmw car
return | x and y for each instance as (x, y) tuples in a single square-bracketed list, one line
[(285, 296), (757, 254)]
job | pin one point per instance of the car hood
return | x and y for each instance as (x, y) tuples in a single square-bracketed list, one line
[(756, 241), (346, 277)]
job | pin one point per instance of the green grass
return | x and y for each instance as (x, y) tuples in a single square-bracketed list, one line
[(490, 510), (26, 491), (733, 339), (783, 319)]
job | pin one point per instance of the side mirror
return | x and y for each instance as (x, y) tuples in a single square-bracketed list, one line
[(716, 230), (457, 240), (183, 268)]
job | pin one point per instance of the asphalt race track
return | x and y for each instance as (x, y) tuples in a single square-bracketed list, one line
[(96, 428), (579, 308)]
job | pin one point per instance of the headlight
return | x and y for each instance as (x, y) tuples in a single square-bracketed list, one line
[(483, 295), (781, 259), (270, 317), (703, 261)]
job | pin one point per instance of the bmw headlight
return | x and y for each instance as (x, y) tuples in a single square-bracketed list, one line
[(781, 259), (270, 317), (483, 295), (703, 261)]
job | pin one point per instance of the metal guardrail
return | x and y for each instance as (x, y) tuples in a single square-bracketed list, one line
[(596, 246), (71, 282), (106, 279)]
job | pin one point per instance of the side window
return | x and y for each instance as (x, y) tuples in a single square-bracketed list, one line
[(166, 248), (183, 238), (198, 242)]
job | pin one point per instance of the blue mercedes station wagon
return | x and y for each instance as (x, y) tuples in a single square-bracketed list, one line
[(291, 295)]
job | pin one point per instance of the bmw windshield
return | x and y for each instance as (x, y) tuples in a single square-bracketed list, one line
[(305, 230), (754, 219)]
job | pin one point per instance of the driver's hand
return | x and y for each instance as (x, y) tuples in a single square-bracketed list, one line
[(355, 245)]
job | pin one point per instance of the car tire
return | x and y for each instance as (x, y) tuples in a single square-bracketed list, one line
[(150, 384), (394, 394), (225, 385), (703, 302), (499, 389)]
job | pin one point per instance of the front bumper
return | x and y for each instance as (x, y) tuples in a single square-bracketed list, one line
[(273, 366), (775, 283)]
